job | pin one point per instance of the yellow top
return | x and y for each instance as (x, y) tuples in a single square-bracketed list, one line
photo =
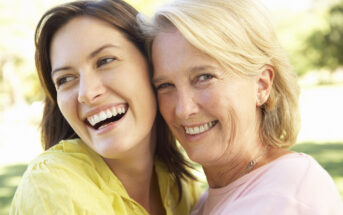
[(70, 179)]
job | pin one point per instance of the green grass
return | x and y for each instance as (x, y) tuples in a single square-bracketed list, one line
[(329, 155), (10, 176)]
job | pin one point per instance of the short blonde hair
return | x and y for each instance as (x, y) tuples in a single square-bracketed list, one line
[(240, 36)]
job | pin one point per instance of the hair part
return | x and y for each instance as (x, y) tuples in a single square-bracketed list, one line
[(238, 34), (122, 17)]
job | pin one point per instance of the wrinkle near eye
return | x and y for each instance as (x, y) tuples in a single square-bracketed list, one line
[(205, 77)]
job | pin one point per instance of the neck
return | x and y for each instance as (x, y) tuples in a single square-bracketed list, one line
[(225, 174), (239, 162), (135, 171)]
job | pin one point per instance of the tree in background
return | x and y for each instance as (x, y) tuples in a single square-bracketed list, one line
[(324, 48)]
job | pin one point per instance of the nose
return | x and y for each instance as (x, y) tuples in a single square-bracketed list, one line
[(186, 104), (91, 87)]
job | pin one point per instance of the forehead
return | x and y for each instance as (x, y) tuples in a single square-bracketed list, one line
[(171, 51), (169, 40), (79, 37), (85, 32)]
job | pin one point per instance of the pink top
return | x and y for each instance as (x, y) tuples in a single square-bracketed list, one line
[(292, 184)]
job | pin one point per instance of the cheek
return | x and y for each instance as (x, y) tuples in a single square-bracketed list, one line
[(165, 104), (66, 104), (147, 103), (62, 104), (211, 98)]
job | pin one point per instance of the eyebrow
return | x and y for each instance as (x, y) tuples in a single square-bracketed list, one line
[(59, 69), (91, 55), (193, 69), (98, 50), (202, 68)]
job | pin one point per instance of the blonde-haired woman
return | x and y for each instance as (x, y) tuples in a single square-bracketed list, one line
[(229, 95)]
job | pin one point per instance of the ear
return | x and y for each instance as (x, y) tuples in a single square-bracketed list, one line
[(264, 83)]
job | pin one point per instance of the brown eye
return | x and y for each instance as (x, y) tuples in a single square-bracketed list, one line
[(204, 77), (63, 80), (104, 61), (163, 86)]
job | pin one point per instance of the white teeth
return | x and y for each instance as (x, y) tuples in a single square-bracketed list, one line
[(191, 130), (121, 110), (114, 112), (103, 115), (108, 113), (205, 127), (96, 119), (91, 121), (199, 129)]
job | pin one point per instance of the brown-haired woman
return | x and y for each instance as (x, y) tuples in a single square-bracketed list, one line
[(105, 151)]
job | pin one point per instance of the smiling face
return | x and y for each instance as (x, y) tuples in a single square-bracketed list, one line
[(205, 106), (103, 87)]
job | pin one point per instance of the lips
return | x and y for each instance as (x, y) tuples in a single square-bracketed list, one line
[(106, 116), (194, 130)]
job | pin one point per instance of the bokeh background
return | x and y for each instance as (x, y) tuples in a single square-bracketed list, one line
[(311, 31)]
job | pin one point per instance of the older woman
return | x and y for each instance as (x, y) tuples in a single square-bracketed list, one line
[(228, 94), (104, 152)]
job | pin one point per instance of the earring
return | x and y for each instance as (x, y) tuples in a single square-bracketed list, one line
[(259, 100)]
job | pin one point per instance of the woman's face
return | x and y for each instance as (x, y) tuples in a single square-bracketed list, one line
[(202, 103), (103, 87)]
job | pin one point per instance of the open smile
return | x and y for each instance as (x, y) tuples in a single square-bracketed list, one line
[(195, 130), (105, 117)]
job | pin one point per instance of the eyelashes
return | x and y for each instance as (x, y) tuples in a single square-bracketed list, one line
[(204, 77), (163, 86), (62, 80), (103, 61)]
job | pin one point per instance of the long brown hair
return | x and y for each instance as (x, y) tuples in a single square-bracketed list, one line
[(122, 17)]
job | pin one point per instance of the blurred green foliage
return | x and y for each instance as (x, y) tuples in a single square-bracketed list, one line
[(324, 47), (314, 38), (9, 179)]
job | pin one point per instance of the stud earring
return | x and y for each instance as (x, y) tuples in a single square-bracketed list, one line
[(259, 101)]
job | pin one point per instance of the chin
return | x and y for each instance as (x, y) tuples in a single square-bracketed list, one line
[(195, 155)]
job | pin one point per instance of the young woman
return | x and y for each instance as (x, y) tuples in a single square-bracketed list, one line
[(228, 94), (104, 152)]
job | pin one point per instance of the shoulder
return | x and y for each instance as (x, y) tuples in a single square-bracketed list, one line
[(292, 184), (298, 179), (57, 179), (296, 170), (68, 155), (64, 162)]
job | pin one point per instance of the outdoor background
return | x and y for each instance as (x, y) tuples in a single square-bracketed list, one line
[(311, 31)]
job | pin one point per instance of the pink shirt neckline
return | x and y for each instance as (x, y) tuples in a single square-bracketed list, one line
[(245, 178)]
